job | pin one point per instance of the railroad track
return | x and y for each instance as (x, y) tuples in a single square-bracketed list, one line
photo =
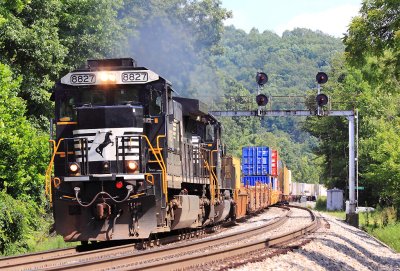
[(52, 258), (177, 256), (245, 248), (21, 260)]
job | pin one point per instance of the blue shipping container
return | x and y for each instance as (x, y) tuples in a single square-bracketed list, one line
[(251, 180), (256, 161)]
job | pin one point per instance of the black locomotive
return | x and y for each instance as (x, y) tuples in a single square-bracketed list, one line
[(130, 159)]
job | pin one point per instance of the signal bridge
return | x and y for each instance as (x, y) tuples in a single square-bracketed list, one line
[(281, 113), (321, 100)]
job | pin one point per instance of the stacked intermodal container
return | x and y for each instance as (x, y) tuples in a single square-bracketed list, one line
[(259, 164), (259, 174)]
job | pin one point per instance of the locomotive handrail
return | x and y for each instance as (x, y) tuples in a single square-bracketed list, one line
[(158, 141), (149, 178), (48, 189), (212, 162), (213, 179), (161, 163), (212, 189)]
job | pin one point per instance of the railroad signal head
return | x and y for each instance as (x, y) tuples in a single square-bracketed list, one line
[(261, 100), (261, 78), (322, 78), (321, 99)]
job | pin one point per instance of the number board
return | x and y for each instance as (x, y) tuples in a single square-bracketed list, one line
[(135, 77), (82, 79), (109, 77)]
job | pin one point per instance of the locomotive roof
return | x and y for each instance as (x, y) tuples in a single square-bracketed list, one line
[(194, 107), (119, 71)]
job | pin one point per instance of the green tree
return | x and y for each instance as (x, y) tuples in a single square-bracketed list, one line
[(42, 39), (23, 152), (23, 149), (176, 38), (29, 42), (93, 29), (372, 49), (375, 30), (291, 62)]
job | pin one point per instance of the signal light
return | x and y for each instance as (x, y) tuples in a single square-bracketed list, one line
[(261, 100), (261, 78), (321, 99), (322, 78)]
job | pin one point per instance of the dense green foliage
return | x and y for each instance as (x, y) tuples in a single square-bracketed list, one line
[(21, 146), (40, 39), (320, 205), (176, 38), (291, 62), (22, 163), (375, 32), (367, 78), (20, 220)]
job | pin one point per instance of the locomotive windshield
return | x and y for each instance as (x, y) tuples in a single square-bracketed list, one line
[(94, 96)]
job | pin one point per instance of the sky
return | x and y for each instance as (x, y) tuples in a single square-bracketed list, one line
[(330, 16)]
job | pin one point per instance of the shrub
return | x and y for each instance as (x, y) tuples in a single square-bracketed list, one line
[(320, 205), (385, 218), (19, 219)]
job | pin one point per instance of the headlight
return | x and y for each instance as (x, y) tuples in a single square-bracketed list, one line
[(108, 77), (132, 166), (106, 166), (74, 168)]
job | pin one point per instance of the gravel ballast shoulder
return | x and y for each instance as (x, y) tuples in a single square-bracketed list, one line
[(341, 247)]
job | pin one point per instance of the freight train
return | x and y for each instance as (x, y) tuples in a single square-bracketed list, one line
[(131, 160)]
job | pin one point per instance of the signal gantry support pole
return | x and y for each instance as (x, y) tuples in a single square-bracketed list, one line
[(351, 216)]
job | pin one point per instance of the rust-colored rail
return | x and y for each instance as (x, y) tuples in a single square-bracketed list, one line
[(111, 257), (244, 248), (33, 257)]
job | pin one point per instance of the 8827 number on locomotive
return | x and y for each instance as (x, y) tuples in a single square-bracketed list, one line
[(134, 77)]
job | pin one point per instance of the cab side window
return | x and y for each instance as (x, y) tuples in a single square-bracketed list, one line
[(155, 102), (210, 133), (67, 112)]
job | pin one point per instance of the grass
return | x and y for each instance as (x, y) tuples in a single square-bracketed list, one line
[(390, 235), (45, 241), (52, 242), (338, 214)]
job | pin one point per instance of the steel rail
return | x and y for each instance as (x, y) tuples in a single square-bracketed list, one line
[(116, 257), (59, 259), (37, 256), (193, 260)]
